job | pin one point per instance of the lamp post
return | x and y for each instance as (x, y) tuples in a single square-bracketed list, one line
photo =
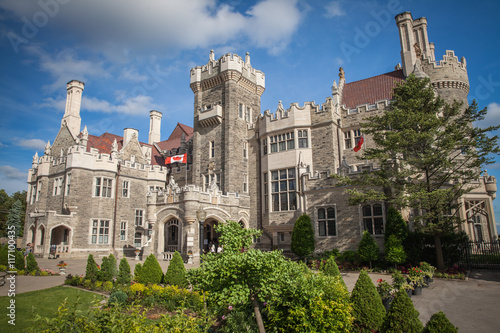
[(201, 215)]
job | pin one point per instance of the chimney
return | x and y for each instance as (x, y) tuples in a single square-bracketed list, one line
[(129, 134), (73, 102), (154, 126)]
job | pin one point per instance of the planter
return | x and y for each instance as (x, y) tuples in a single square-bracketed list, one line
[(417, 290), (62, 271), (387, 303), (409, 292), (427, 281)]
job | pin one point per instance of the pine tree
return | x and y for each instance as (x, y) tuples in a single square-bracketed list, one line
[(106, 271), (368, 249), (331, 268), (31, 264), (14, 222), (4, 255), (302, 237), (402, 316), (137, 272), (124, 276), (395, 225), (113, 266), (439, 323), (176, 272), (367, 307), (19, 263), (91, 269), (429, 153), (394, 250), (151, 271)]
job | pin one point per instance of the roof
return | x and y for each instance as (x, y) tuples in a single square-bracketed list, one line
[(104, 141), (372, 89)]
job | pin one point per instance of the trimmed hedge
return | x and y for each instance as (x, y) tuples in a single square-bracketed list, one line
[(176, 272), (368, 310), (302, 237), (91, 269), (124, 276), (439, 323), (402, 316), (150, 272)]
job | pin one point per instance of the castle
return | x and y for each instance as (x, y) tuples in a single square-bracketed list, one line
[(111, 193)]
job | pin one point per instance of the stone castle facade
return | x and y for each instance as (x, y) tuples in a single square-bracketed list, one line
[(111, 193)]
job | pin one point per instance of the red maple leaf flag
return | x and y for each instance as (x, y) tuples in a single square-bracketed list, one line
[(176, 159), (360, 143)]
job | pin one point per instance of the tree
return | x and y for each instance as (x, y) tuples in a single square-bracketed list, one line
[(394, 251), (31, 264), (91, 269), (124, 276), (302, 237), (429, 152), (368, 249), (176, 272), (6, 204), (240, 276), (402, 316), (367, 307), (395, 225), (150, 272)]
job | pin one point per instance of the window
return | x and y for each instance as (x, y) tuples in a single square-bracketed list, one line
[(347, 140), (123, 230), (264, 146), (357, 136), (240, 110), (33, 194), (281, 142), (208, 179), (212, 149), (103, 187), (266, 197), (248, 114), (139, 215), (137, 240), (68, 183), (58, 185), (274, 144), (100, 232), (373, 220), (326, 222), (125, 189), (283, 189), (245, 149), (245, 183), (281, 237), (39, 190), (303, 143)]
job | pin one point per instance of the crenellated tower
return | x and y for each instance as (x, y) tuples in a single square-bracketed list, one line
[(226, 106)]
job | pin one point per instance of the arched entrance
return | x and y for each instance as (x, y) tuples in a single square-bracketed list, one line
[(171, 236), (59, 240), (210, 237)]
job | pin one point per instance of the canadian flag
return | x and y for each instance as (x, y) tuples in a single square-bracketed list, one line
[(176, 159), (360, 143)]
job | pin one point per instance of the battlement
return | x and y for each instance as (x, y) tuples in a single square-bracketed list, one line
[(447, 73), (227, 62), (291, 117)]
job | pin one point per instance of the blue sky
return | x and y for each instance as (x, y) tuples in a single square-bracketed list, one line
[(135, 56)]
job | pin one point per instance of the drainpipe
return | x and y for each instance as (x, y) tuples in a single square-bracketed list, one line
[(115, 209)]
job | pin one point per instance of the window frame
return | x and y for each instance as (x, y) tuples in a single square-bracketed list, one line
[(327, 220), (123, 230), (347, 140), (372, 219), (139, 217), (126, 188), (99, 231), (281, 189), (103, 187)]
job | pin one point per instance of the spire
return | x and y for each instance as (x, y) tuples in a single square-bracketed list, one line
[(47, 148)]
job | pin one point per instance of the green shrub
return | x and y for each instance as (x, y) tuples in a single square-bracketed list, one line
[(87, 283), (329, 267), (368, 310), (107, 286), (31, 264), (151, 271), (3, 268), (348, 256), (302, 237), (73, 280), (137, 272), (21, 272), (19, 260), (91, 269), (176, 272), (394, 251), (368, 249), (124, 276), (241, 320), (395, 225), (4, 255), (439, 323), (402, 316), (117, 298), (108, 269)]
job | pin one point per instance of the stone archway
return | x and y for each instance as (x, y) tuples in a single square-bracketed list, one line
[(210, 236), (60, 240), (171, 236)]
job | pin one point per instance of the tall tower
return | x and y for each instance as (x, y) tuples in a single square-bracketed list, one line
[(73, 103), (226, 106), (154, 126)]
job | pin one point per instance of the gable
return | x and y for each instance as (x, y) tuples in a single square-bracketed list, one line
[(63, 140)]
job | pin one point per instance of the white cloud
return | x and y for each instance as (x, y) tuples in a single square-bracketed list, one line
[(333, 9), (36, 144), (12, 173), (126, 26), (492, 117), (136, 105)]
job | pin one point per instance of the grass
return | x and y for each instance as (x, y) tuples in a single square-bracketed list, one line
[(44, 302)]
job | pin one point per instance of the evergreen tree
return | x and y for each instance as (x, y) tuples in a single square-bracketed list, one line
[(14, 222), (368, 249), (20, 264), (124, 276), (439, 323), (113, 268), (430, 153), (330, 267), (402, 316), (395, 225), (367, 307), (151, 271), (106, 271), (176, 272), (31, 264), (4, 255), (137, 272), (91, 269), (394, 250), (302, 237)]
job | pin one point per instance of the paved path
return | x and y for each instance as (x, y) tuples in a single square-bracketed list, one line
[(471, 305)]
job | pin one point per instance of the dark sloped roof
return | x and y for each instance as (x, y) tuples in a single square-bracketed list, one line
[(370, 90), (174, 141)]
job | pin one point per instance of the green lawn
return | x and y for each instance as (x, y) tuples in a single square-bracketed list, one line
[(44, 302)]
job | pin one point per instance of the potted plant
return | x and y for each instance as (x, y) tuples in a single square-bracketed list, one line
[(428, 271), (416, 279), (386, 292), (399, 281), (62, 267)]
